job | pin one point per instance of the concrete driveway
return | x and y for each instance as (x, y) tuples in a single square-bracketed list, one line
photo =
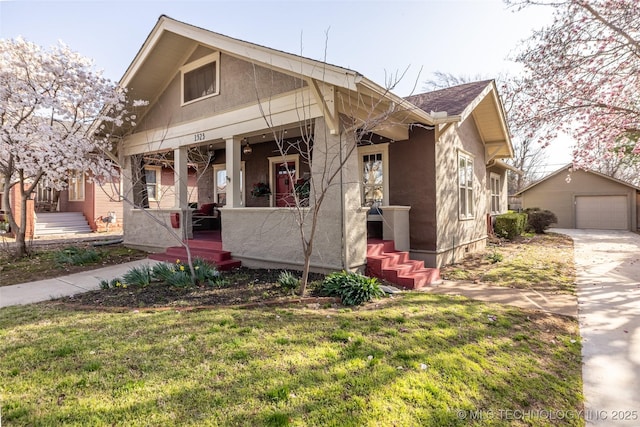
[(608, 276)]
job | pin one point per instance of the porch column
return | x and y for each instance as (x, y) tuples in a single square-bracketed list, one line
[(232, 154), (181, 177), (341, 238), (395, 226)]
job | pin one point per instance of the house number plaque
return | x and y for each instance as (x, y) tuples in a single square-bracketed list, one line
[(199, 137)]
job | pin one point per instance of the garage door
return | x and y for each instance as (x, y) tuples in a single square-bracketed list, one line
[(602, 212)]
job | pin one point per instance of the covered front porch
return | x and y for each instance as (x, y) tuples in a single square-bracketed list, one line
[(257, 191)]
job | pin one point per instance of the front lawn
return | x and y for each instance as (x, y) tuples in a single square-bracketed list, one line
[(417, 359), (47, 261), (541, 262)]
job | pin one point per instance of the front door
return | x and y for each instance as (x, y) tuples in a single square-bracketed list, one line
[(284, 184)]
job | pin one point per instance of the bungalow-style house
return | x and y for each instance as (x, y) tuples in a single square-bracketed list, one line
[(423, 173), (585, 199)]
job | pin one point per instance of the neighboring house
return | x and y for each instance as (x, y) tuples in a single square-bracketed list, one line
[(585, 199), (88, 206), (432, 167), (100, 205)]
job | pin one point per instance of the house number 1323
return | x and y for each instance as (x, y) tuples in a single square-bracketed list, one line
[(198, 137)]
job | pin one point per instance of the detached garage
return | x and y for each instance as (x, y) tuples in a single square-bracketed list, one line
[(585, 199)]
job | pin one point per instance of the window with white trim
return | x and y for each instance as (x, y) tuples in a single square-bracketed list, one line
[(220, 184), (465, 185), (374, 168), (152, 178), (76, 186), (495, 193), (201, 78)]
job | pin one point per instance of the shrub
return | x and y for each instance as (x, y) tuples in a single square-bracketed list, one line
[(539, 220), (162, 271), (207, 274), (495, 257), (114, 283), (76, 256), (138, 276), (177, 274), (352, 288), (510, 225), (179, 279), (288, 281)]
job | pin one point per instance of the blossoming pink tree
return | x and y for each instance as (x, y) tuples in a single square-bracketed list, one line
[(49, 101), (583, 76)]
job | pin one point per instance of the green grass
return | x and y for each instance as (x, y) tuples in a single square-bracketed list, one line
[(415, 361), (45, 262), (542, 262)]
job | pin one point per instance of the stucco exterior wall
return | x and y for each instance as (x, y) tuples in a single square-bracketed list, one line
[(151, 230), (455, 236), (238, 82), (558, 192), (270, 236)]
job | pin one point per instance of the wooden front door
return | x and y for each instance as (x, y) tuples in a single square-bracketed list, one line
[(284, 184)]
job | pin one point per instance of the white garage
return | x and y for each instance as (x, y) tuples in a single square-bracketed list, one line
[(602, 212)]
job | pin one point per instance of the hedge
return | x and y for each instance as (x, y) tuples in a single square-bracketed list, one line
[(510, 225)]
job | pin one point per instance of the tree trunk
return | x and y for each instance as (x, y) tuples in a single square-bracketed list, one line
[(21, 230), (305, 270)]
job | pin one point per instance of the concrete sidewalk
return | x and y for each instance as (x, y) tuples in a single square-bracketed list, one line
[(608, 278), (42, 290), (553, 303)]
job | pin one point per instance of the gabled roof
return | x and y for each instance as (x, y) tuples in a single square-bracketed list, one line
[(479, 100), (171, 43), (453, 100), (566, 168)]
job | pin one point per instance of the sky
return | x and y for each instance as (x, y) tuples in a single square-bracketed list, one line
[(379, 39)]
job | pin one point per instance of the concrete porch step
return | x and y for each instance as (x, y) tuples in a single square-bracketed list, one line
[(384, 262), (61, 223), (221, 259)]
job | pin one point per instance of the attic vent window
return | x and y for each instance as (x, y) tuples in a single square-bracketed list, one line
[(201, 78)]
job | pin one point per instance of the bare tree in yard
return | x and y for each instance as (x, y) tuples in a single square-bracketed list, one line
[(355, 129), (529, 154), (138, 195), (48, 100), (583, 77)]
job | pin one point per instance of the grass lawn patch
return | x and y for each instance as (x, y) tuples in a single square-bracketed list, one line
[(542, 262), (417, 359), (45, 262)]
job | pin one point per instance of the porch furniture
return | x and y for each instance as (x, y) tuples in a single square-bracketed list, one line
[(206, 217)]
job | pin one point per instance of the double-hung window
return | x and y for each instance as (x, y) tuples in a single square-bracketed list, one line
[(201, 78), (465, 185), (76, 186), (152, 179), (495, 193)]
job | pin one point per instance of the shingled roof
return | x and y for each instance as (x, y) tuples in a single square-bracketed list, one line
[(453, 100)]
